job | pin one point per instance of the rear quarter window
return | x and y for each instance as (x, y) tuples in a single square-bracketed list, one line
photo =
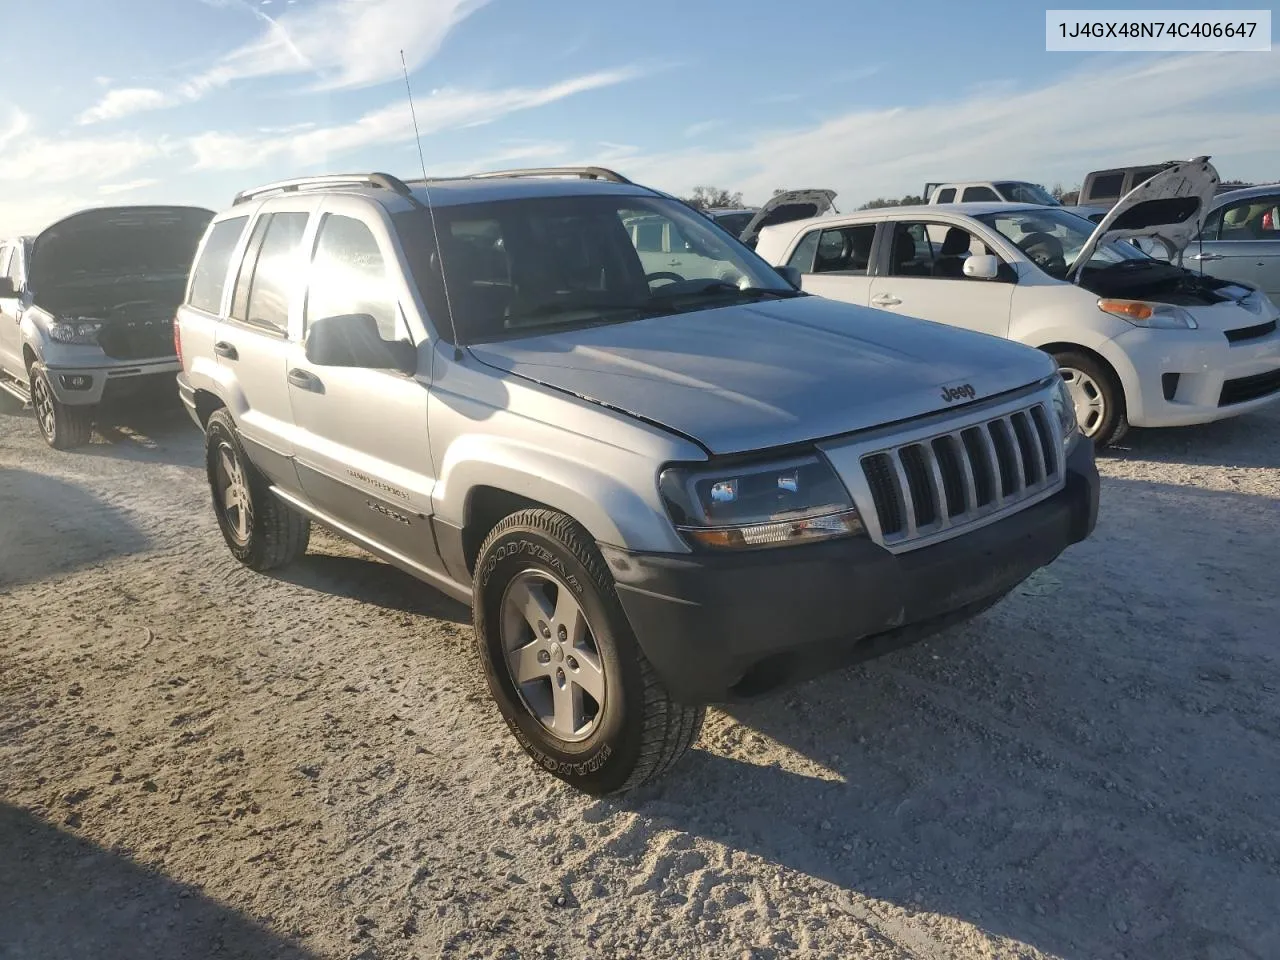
[(947, 196), (209, 276), (1106, 186)]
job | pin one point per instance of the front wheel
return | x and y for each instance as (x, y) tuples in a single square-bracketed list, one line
[(1098, 398), (261, 530), (63, 426), (562, 663)]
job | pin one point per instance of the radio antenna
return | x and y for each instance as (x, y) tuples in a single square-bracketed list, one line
[(431, 211)]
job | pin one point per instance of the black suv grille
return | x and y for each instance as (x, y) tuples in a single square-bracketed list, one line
[(145, 337)]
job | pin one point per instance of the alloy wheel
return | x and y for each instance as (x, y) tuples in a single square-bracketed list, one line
[(233, 493), (42, 401), (552, 655)]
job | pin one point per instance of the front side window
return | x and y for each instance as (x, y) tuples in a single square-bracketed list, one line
[(845, 250), (978, 194), (515, 268), (913, 252), (349, 276), (1053, 238), (209, 276)]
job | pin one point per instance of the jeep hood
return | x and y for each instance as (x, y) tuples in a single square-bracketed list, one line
[(746, 378), (114, 244), (787, 206), (1169, 208)]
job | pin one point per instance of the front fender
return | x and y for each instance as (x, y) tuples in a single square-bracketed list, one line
[(619, 507)]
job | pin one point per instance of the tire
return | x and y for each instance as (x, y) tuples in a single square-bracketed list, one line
[(1100, 393), (631, 734), (261, 531), (62, 426)]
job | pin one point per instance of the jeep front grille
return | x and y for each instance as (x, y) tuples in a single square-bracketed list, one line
[(983, 470)]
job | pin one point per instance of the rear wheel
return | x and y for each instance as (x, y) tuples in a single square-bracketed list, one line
[(1098, 398), (62, 425), (261, 530), (562, 663)]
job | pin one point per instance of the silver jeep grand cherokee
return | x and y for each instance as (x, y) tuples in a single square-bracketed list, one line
[(657, 489), (87, 310)]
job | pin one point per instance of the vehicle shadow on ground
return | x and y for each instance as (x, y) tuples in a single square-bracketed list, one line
[(1250, 440), (63, 897), (329, 568), (49, 526), (1093, 784), (154, 430)]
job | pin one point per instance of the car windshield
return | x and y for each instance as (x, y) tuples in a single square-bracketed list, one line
[(1053, 239), (519, 268), (1015, 191)]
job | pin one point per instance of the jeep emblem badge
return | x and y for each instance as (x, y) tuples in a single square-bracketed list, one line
[(963, 391)]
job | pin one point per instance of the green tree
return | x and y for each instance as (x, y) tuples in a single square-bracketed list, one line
[(910, 200), (708, 198)]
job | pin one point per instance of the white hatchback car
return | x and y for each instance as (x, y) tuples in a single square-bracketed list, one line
[(1139, 340)]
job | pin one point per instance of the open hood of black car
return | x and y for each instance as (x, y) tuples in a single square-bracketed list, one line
[(115, 243)]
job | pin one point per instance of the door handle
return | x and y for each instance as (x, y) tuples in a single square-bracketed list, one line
[(1201, 257), (885, 300), (226, 350), (304, 380), (673, 263)]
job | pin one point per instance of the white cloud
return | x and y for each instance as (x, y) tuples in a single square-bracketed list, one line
[(347, 44), (701, 127), (123, 102), (31, 213), (1135, 112), (110, 189), (35, 159), (442, 110)]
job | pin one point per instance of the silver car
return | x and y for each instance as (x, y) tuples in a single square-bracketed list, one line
[(1241, 239), (656, 490), (87, 308)]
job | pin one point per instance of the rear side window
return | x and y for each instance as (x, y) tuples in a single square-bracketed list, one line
[(349, 275), (270, 271), (209, 277), (1106, 186), (978, 194), (845, 250), (947, 196)]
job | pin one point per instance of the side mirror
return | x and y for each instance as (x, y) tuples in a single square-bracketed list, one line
[(790, 274), (983, 266), (6, 287), (353, 340)]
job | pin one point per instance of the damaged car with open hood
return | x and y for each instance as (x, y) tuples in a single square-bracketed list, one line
[(87, 308), (1139, 340)]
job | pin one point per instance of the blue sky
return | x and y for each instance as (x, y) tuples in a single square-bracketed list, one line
[(188, 101)]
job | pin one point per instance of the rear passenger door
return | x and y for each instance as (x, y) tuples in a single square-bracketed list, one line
[(252, 343), (362, 450), (835, 262), (917, 279)]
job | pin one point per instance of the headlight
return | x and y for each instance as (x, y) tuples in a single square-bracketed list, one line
[(75, 331), (1065, 409), (1161, 316), (798, 500)]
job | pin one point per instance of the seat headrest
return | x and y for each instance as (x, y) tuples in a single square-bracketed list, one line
[(956, 242)]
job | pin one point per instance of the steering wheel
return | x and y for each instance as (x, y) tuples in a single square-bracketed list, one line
[(1044, 250), (664, 275)]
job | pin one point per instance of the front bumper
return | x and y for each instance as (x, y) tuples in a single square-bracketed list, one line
[(722, 627), (88, 385), (1204, 362)]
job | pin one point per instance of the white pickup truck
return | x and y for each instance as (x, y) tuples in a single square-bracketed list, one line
[(989, 191)]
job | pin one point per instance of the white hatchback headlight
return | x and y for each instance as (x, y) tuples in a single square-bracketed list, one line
[(1142, 313)]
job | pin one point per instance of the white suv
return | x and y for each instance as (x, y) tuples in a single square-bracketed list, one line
[(657, 490), (1139, 340)]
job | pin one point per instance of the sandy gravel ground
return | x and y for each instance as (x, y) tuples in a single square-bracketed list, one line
[(197, 761)]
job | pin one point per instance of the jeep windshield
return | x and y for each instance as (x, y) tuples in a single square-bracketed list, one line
[(1053, 238), (519, 268)]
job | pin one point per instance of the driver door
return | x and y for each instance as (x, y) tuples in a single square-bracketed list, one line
[(361, 447), (913, 281)]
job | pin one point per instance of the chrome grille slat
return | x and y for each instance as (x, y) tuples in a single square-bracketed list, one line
[(974, 474)]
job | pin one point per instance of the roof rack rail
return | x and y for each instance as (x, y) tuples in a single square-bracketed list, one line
[(384, 180), (582, 173)]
